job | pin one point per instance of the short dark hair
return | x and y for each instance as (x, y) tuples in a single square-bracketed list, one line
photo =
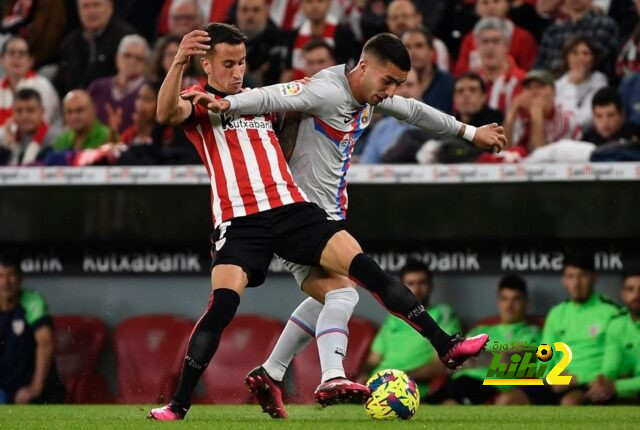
[(28, 94), (224, 33), (607, 96), (428, 36), (513, 282), (387, 47), (412, 265), (632, 271), (12, 261), (13, 38), (473, 77), (582, 259), (317, 43)]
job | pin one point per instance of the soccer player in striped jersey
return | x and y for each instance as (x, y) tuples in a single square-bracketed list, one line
[(337, 105), (258, 210)]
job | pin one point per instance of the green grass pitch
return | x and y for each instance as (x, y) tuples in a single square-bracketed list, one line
[(96, 417)]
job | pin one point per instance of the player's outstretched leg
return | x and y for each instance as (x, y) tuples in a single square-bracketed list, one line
[(397, 298), (343, 255), (203, 343), (264, 381), (332, 337)]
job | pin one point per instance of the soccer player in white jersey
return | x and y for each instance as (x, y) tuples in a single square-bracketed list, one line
[(258, 210)]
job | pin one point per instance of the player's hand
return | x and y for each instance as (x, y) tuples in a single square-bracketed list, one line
[(194, 43), (207, 100), (490, 136)]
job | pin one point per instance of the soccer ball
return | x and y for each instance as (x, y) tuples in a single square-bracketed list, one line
[(393, 395), (544, 352)]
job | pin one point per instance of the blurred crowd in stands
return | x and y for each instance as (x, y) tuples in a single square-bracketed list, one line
[(81, 77)]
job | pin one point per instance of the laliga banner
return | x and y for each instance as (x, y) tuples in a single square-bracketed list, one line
[(195, 259)]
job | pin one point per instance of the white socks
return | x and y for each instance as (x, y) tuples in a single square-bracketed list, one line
[(298, 333), (332, 333), (327, 323)]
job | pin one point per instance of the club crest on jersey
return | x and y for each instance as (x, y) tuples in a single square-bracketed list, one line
[(366, 116), (291, 88), (18, 327)]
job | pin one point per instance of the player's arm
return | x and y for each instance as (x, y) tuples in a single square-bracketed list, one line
[(172, 109), (628, 386), (44, 358), (295, 96), (414, 112), (607, 384)]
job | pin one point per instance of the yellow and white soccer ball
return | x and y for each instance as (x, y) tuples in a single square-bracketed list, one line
[(394, 395)]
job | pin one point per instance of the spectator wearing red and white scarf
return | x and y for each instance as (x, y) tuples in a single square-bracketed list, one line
[(17, 62), (319, 24), (287, 14), (523, 47), (26, 134)]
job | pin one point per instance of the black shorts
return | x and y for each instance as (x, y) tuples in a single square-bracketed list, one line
[(297, 232)]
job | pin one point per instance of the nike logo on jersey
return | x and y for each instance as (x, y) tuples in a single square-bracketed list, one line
[(347, 120)]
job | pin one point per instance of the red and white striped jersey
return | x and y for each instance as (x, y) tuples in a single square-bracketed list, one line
[(558, 125), (244, 161), (501, 92)]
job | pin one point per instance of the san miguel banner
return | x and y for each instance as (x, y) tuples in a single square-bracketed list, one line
[(128, 259)]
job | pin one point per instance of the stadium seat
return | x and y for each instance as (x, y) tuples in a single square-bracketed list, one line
[(307, 364), (245, 344), (79, 341), (149, 353)]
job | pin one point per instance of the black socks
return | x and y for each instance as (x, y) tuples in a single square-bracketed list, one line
[(205, 337), (398, 300)]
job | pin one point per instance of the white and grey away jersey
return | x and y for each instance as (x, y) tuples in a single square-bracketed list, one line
[(331, 123)]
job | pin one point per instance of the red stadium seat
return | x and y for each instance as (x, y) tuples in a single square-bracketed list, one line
[(149, 354), (79, 341), (307, 363), (245, 344)]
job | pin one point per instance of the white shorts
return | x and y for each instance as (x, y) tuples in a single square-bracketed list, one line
[(298, 271)]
